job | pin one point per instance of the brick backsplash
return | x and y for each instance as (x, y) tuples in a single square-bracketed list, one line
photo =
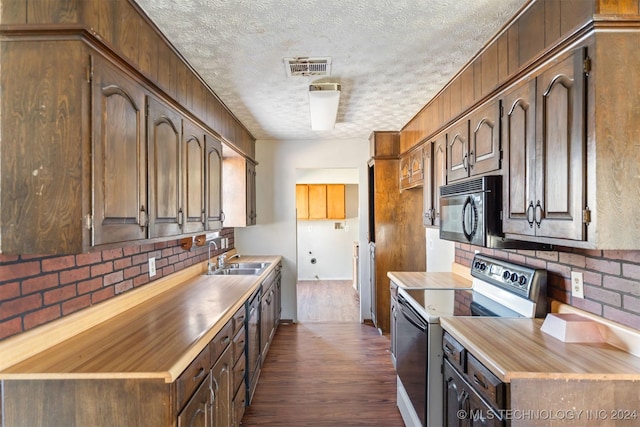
[(37, 289), (611, 278)]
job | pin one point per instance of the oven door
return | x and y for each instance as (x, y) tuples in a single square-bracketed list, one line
[(462, 218), (412, 355)]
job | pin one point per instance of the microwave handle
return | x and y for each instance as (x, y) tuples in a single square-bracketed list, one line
[(469, 204)]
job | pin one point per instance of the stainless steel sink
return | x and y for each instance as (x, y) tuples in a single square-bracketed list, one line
[(239, 271), (240, 265)]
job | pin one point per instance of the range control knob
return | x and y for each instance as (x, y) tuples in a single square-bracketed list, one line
[(506, 275), (514, 277), (522, 280)]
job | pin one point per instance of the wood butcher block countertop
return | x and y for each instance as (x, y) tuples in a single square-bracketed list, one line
[(422, 280), (157, 338), (517, 349)]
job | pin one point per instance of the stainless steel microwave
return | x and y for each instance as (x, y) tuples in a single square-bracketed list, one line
[(471, 212)]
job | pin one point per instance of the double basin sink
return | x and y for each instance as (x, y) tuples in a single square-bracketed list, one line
[(242, 268)]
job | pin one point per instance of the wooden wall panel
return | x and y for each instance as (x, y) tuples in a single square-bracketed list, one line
[(575, 13), (631, 7), (466, 87), (477, 78), (46, 121), (530, 28), (503, 57), (513, 36), (167, 63), (99, 16), (445, 105), (489, 65), (52, 11), (127, 31), (552, 19), (455, 93), (148, 55), (13, 12)]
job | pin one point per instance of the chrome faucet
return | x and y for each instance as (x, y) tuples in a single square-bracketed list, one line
[(221, 260), (211, 266)]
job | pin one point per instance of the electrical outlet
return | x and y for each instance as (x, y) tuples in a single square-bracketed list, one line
[(152, 267), (223, 243), (577, 286)]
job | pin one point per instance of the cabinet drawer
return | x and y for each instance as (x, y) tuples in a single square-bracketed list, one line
[(221, 341), (487, 384), (239, 403), (198, 410), (192, 377), (239, 318), (453, 351), (239, 370), (239, 342)]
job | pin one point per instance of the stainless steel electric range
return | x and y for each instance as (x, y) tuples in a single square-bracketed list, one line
[(500, 288)]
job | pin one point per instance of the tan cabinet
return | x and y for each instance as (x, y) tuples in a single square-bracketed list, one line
[(435, 176), (213, 186), (320, 201), (193, 177), (544, 133), (119, 154)]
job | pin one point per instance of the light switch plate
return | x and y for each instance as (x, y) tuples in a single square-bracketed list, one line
[(577, 286), (152, 267)]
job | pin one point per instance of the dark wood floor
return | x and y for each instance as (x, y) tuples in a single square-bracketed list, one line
[(326, 374)]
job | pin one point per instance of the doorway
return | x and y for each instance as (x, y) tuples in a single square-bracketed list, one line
[(327, 276)]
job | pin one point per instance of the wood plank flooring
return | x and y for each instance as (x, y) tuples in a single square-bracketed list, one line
[(327, 301), (328, 369)]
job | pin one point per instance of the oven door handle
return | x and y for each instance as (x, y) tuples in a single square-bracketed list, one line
[(410, 317)]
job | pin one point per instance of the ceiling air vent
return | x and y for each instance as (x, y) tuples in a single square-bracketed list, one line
[(304, 66)]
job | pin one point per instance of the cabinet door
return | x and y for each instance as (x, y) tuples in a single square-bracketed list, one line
[(405, 171), (222, 383), (417, 167), (193, 149), (164, 126), (428, 192), (198, 412), (439, 173), (252, 211), (119, 163), (458, 151), (213, 175), (317, 201), (456, 398), (336, 201), (560, 182), (519, 143), (484, 139), (302, 201)]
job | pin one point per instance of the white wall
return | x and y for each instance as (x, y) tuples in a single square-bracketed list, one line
[(324, 252), (275, 232)]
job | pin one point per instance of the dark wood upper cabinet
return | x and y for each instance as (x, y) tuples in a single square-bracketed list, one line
[(458, 151), (435, 176), (120, 170), (193, 166), (560, 171), (213, 175), (484, 139), (544, 132), (165, 154)]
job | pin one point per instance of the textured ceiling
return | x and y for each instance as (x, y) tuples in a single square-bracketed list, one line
[(390, 56)]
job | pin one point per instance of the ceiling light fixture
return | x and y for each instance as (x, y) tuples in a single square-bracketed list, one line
[(323, 105)]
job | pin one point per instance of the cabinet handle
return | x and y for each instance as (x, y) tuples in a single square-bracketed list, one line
[(479, 382), (448, 350), (143, 219), (530, 214), (469, 162), (203, 218), (225, 340), (180, 217), (222, 216), (465, 162), (199, 374), (541, 216)]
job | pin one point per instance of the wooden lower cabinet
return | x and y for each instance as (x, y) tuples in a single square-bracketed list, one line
[(199, 410)]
